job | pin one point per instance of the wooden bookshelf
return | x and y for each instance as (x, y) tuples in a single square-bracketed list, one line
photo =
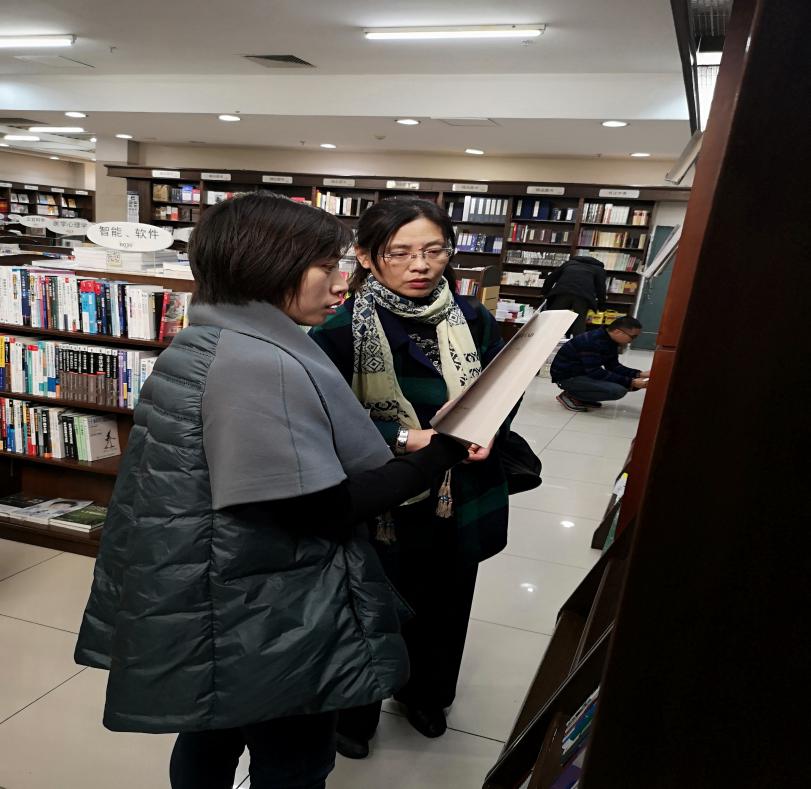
[(84, 200)]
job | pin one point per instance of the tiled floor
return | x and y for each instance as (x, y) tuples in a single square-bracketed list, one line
[(50, 709)]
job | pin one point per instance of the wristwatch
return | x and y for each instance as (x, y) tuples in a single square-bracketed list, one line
[(402, 440)]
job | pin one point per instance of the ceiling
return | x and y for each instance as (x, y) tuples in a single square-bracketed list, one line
[(163, 71)]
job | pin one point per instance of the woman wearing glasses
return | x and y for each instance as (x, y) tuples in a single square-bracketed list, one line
[(407, 344)]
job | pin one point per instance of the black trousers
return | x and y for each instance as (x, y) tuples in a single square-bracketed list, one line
[(574, 303), (288, 753), (441, 593)]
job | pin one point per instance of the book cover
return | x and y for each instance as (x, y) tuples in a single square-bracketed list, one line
[(174, 317), (86, 519), (14, 505), (52, 508), (101, 437)]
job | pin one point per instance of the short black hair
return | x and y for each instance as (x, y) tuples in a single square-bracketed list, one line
[(382, 220), (624, 322), (258, 246)]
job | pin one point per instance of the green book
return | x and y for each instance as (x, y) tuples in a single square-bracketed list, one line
[(86, 519)]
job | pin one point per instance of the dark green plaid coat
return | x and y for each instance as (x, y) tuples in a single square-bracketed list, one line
[(479, 489)]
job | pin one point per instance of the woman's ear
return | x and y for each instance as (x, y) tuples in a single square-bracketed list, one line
[(363, 257)]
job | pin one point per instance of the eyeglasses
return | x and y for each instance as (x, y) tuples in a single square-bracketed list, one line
[(629, 336), (432, 255)]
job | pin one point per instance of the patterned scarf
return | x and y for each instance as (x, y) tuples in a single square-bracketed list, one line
[(374, 381)]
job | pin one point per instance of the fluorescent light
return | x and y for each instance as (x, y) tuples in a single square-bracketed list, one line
[(93, 139), (31, 42), (124, 136), (708, 58), (57, 129), (614, 124), (21, 137), (229, 118), (4, 145), (55, 158), (464, 31), (567, 524), (328, 145), (474, 151), (76, 114), (640, 155), (408, 122)]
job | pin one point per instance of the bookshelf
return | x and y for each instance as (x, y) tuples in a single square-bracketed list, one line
[(18, 197), (49, 477)]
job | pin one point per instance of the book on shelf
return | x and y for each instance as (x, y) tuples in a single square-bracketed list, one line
[(590, 237), (466, 286), (478, 242), (52, 508), (524, 279), (14, 505), (86, 520), (19, 197), (614, 261), (510, 311), (626, 287), (213, 197), (525, 257), (610, 214), (341, 205), (186, 193), (476, 209), (538, 234), (174, 315), (542, 209), (175, 213)]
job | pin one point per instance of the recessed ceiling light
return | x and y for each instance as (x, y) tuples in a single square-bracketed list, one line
[(229, 118), (76, 114), (708, 58), (4, 145), (408, 122), (124, 136), (463, 31), (93, 139), (55, 158), (474, 151), (21, 137), (640, 155), (614, 124), (328, 145), (567, 524), (32, 42), (57, 129)]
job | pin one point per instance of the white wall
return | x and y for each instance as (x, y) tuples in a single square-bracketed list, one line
[(41, 171)]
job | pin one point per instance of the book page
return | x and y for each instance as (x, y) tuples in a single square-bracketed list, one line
[(478, 412)]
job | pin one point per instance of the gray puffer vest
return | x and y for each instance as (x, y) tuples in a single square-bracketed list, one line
[(206, 621)]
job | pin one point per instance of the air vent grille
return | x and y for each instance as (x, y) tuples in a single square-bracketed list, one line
[(279, 61)]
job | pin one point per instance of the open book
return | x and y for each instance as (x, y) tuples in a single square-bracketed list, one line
[(477, 414)]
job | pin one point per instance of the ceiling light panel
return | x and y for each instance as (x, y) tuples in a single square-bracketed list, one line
[(35, 42), (455, 32)]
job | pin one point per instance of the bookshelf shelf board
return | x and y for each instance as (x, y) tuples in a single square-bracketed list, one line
[(471, 252), (107, 467), (468, 222), (175, 221), (531, 265), (76, 336), (542, 243), (51, 536), (174, 202), (611, 224), (518, 220), (639, 250), (528, 291), (61, 402), (621, 298)]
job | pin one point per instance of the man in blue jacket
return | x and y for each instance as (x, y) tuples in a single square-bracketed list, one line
[(588, 371)]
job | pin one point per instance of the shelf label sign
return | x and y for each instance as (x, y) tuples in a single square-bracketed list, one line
[(166, 173), (469, 188), (68, 227), (339, 182), (15, 219), (626, 193), (546, 190), (6, 184), (81, 192), (57, 189), (114, 259), (413, 185), (215, 176), (277, 179), (129, 236), (35, 220), (31, 187)]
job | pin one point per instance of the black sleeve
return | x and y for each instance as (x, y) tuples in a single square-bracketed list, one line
[(550, 280), (333, 512), (599, 284)]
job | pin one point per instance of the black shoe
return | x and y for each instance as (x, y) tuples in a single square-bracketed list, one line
[(350, 748), (592, 403), (430, 722)]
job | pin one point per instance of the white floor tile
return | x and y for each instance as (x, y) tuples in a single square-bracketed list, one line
[(574, 465), (403, 759), (498, 666), (566, 496), (537, 437), (542, 536), (523, 593), (34, 660), (53, 593), (17, 556), (588, 444), (538, 416), (605, 424)]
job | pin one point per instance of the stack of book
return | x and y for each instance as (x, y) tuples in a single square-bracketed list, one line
[(69, 371), (485, 210), (56, 433), (609, 214), (575, 739), (525, 257), (625, 286), (605, 238), (185, 193), (508, 311), (525, 279), (73, 514), (341, 205), (478, 242), (536, 234), (542, 209), (614, 261), (94, 257), (175, 213)]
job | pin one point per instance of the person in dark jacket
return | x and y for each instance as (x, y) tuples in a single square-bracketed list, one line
[(587, 367), (407, 344), (577, 285), (235, 599)]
